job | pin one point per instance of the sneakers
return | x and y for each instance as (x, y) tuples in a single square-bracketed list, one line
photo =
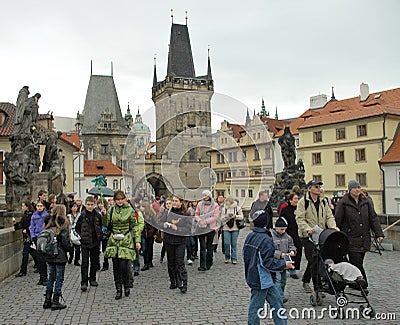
[(234, 262), (190, 262), (307, 288), (294, 276), (226, 261), (83, 287)]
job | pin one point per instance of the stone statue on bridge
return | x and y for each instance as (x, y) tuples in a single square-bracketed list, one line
[(21, 165)]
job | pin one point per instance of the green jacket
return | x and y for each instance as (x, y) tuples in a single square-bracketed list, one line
[(123, 219), (308, 218)]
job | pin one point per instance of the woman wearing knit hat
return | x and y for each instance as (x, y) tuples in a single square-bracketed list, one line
[(207, 213), (355, 216)]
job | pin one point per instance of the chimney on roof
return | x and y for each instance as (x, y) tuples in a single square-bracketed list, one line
[(364, 92), (318, 101)]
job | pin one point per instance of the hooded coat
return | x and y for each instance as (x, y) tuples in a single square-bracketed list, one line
[(123, 222)]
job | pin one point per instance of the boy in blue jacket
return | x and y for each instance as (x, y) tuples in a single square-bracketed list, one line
[(259, 261)]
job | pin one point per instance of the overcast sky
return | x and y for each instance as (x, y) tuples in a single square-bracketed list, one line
[(284, 51)]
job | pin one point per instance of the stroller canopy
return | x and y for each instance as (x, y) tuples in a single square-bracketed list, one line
[(333, 244)]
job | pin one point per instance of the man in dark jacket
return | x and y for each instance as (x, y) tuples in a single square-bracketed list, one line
[(88, 227), (355, 216), (259, 262)]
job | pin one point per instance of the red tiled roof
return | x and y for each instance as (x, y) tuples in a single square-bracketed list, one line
[(274, 125), (377, 103), (352, 109), (8, 126), (237, 129), (393, 153), (101, 167), (72, 138)]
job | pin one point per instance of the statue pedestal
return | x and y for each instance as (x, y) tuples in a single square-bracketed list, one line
[(39, 181)]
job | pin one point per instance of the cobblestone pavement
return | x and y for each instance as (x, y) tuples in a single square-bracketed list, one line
[(218, 296)]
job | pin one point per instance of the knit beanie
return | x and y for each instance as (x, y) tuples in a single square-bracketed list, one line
[(353, 184), (281, 223), (207, 193), (260, 219)]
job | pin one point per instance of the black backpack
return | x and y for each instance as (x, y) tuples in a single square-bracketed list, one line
[(47, 243)]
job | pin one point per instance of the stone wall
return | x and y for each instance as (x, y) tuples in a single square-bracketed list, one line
[(392, 236), (10, 252)]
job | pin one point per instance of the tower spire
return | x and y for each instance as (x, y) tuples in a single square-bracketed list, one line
[(263, 110), (112, 69), (209, 74), (91, 67), (276, 112), (155, 71), (186, 17), (172, 15), (333, 94), (248, 119)]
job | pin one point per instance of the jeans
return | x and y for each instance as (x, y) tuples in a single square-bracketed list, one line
[(257, 305), (91, 254), (206, 249), (280, 282), (25, 257), (230, 243), (147, 248), (56, 274), (136, 262), (190, 246)]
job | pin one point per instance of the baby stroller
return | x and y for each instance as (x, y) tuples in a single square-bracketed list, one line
[(333, 245)]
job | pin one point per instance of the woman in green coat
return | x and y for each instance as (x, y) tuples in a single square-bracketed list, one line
[(122, 224)]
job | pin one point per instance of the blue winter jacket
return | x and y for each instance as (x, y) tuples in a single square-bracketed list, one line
[(259, 261), (37, 223)]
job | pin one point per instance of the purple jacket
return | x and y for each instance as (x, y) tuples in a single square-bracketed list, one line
[(37, 223)]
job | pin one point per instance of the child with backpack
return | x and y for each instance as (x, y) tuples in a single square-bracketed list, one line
[(284, 249), (259, 262), (58, 224)]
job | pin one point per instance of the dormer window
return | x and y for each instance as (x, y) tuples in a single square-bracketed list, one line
[(2, 118)]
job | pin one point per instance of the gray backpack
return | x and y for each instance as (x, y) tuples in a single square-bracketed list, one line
[(47, 243)]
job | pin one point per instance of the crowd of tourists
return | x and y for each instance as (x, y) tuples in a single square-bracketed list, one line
[(125, 229)]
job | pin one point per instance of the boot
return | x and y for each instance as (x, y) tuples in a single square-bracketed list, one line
[(56, 305), (118, 286), (127, 290), (42, 281), (47, 300)]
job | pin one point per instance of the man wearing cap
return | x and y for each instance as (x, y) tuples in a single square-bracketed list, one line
[(206, 215), (355, 216), (262, 203), (313, 210)]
